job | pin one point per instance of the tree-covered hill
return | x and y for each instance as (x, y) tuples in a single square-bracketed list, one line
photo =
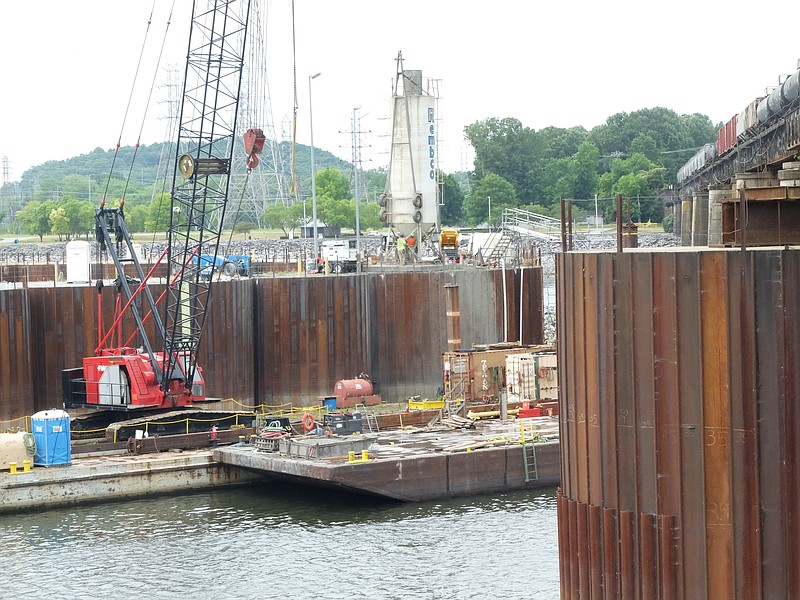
[(633, 154)]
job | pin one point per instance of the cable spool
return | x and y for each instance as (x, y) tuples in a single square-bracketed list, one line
[(417, 217), (382, 200), (418, 201)]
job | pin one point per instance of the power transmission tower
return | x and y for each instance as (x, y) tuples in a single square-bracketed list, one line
[(358, 185), (266, 184)]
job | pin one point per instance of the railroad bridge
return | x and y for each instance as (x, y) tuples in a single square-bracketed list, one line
[(743, 189)]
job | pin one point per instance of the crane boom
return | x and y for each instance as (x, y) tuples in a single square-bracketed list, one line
[(203, 161)]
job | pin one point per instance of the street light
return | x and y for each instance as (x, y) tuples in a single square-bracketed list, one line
[(313, 170), (490, 213)]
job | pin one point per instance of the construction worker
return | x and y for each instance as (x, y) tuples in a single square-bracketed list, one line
[(214, 435), (411, 243), (401, 249)]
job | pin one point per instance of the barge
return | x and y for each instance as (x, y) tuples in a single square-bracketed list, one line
[(407, 464), (414, 464)]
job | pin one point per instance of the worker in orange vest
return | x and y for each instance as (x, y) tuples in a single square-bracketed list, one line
[(411, 242)]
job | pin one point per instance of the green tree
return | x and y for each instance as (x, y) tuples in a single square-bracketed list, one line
[(59, 223), (562, 143), (158, 217), (136, 217), (634, 177), (491, 190), (333, 183), (369, 216), (515, 153), (244, 226), (79, 215), (578, 173), (279, 216), (451, 208), (35, 217), (299, 213), (336, 213), (658, 133), (78, 186)]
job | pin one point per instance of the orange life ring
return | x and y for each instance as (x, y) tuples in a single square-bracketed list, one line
[(308, 421)]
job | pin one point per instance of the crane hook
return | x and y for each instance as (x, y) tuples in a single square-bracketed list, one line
[(253, 145)]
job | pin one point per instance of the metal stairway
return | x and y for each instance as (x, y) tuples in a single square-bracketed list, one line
[(500, 246), (531, 224)]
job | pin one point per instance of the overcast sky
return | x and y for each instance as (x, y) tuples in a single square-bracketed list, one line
[(67, 67)]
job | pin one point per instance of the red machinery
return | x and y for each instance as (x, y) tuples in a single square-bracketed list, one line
[(159, 370)]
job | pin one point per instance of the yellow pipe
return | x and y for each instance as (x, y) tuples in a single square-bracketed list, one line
[(489, 413)]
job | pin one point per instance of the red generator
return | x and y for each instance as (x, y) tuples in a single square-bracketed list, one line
[(350, 392)]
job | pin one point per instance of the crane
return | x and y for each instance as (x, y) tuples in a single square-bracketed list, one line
[(161, 370)]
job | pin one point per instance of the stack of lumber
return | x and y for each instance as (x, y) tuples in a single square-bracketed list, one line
[(457, 422)]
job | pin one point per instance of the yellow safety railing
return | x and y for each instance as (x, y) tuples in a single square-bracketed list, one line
[(26, 423), (280, 410), (146, 424)]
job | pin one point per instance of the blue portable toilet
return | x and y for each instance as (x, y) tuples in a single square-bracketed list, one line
[(51, 432)]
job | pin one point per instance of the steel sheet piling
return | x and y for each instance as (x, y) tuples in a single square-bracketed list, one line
[(595, 551), (647, 556), (771, 418), (16, 388), (611, 572), (696, 359), (279, 339)]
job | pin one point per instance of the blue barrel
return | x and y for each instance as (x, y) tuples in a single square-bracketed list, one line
[(329, 403)]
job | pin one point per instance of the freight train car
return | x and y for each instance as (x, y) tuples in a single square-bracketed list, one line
[(746, 124)]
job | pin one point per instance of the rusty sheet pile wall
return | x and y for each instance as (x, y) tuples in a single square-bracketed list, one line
[(679, 424), (16, 384), (280, 339)]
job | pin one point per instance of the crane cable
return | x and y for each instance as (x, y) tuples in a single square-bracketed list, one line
[(147, 104), (293, 178), (128, 107), (238, 210)]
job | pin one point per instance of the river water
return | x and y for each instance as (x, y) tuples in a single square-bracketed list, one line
[(281, 541)]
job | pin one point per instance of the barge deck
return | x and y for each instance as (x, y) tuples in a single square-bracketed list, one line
[(117, 477), (415, 464)]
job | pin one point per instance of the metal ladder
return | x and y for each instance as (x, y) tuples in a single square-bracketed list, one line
[(372, 420), (528, 454)]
